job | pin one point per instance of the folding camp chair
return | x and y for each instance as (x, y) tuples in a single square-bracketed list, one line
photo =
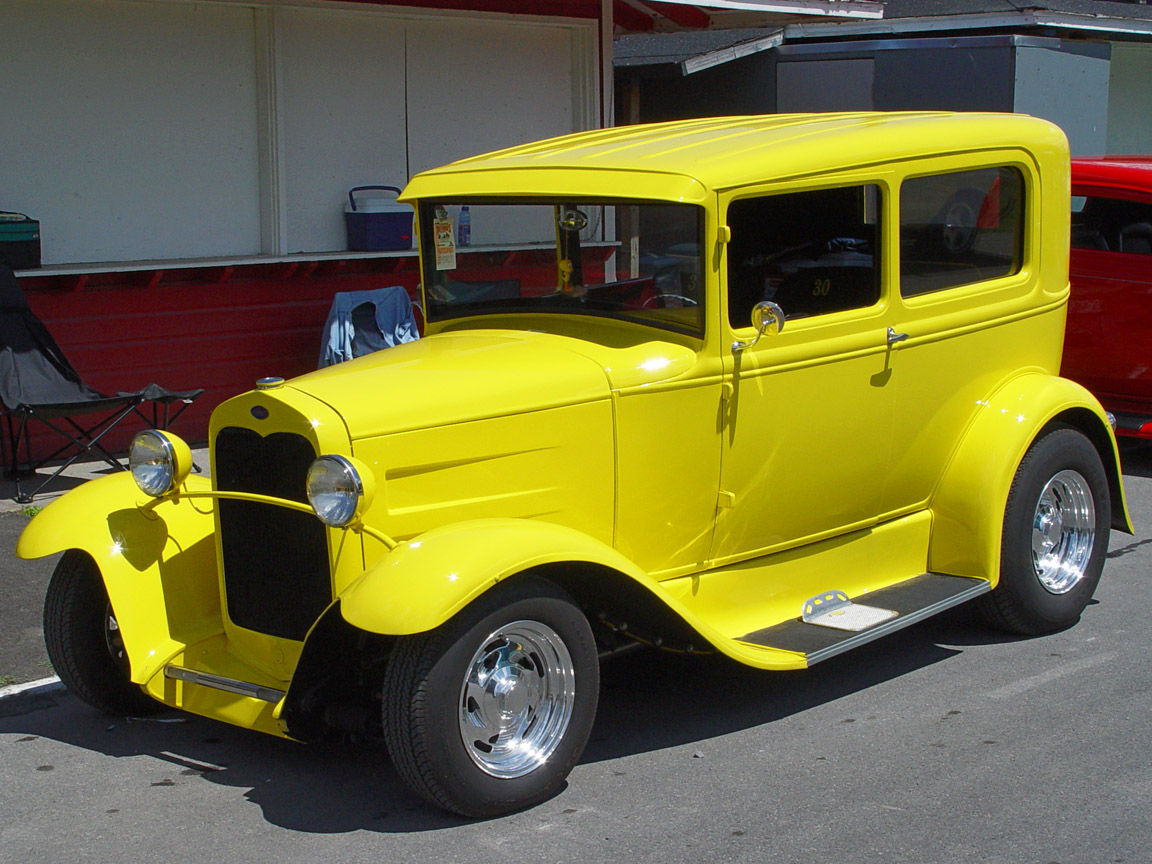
[(361, 322), (38, 383)]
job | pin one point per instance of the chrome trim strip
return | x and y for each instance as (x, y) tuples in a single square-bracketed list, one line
[(898, 623), (219, 682)]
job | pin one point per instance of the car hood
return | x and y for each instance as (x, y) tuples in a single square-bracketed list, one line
[(454, 378)]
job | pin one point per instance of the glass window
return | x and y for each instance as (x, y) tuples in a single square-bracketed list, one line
[(959, 228), (810, 252), (1113, 225), (635, 261)]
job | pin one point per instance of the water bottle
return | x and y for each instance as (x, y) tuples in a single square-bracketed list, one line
[(464, 227)]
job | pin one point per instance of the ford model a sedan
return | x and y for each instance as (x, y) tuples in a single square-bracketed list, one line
[(771, 387)]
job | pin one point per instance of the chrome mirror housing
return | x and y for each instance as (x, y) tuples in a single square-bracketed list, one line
[(767, 317)]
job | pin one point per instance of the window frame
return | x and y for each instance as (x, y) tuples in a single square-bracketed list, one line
[(881, 253), (1019, 242)]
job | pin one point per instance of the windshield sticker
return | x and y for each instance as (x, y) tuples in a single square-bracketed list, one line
[(445, 243)]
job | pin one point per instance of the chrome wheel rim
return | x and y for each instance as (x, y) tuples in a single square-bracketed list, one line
[(114, 640), (517, 699), (1063, 532)]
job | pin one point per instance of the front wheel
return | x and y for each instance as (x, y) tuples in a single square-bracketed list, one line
[(84, 643), (1055, 537), (489, 713)]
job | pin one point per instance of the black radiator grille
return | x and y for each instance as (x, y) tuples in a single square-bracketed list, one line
[(275, 560)]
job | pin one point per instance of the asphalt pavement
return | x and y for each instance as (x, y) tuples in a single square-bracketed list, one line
[(941, 744)]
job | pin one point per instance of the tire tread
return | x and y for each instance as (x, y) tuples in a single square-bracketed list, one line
[(1006, 608), (76, 592)]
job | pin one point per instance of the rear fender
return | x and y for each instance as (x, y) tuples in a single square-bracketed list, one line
[(968, 507), (157, 559)]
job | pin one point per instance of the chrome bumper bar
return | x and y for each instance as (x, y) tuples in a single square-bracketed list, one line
[(219, 682)]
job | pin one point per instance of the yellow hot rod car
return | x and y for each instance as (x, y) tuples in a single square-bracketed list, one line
[(771, 387)]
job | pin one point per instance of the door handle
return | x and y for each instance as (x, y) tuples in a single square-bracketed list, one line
[(894, 337)]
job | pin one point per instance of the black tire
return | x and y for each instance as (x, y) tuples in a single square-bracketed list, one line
[(83, 642), (1021, 603), (425, 699)]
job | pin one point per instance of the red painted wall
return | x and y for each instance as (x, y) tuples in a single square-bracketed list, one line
[(218, 328)]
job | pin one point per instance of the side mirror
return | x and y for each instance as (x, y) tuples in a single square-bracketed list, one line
[(767, 317)]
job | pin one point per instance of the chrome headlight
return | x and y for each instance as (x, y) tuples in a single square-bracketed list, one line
[(339, 490), (159, 462)]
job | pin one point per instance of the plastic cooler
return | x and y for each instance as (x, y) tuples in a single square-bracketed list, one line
[(19, 241), (377, 224)]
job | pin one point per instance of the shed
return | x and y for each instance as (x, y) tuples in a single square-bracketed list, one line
[(1084, 64)]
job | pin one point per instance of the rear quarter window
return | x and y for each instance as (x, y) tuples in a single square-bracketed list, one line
[(959, 228)]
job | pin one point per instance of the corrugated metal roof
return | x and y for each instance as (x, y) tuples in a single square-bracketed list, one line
[(906, 17), (936, 8)]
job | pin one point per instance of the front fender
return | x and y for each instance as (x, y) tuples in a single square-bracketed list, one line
[(157, 559), (968, 506), (425, 581)]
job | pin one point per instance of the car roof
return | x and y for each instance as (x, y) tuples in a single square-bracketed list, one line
[(726, 152), (1111, 170)]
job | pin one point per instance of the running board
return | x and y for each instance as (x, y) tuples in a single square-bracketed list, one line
[(219, 682), (914, 600)]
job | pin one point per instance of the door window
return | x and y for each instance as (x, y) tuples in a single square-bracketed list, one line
[(812, 252)]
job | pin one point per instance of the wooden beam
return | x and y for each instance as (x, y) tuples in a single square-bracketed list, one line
[(688, 17)]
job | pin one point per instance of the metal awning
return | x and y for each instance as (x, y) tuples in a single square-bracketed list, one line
[(837, 8), (693, 51), (676, 15)]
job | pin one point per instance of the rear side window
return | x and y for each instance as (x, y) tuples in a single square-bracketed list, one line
[(959, 228), (1112, 225)]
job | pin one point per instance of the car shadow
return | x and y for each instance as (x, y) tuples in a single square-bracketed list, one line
[(1135, 457), (649, 701)]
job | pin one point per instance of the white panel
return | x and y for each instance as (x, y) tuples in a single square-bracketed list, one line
[(1070, 90), (1130, 99), (341, 104), (130, 129), (476, 86)]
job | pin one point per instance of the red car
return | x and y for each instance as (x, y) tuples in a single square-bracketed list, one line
[(1108, 343)]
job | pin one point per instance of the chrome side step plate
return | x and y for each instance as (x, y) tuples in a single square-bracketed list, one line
[(902, 605), (219, 682), (834, 609)]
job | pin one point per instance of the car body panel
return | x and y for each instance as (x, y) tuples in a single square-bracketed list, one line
[(966, 530), (1110, 311), (153, 554)]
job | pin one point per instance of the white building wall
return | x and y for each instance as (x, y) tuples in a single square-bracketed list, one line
[(1069, 89), (129, 130), (190, 130), (1130, 99)]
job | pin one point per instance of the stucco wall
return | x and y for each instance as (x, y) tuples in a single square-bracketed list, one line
[(1130, 99)]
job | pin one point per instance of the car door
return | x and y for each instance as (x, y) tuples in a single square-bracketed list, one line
[(807, 420), (964, 308)]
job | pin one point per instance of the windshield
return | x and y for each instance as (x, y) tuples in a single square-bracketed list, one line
[(627, 260)]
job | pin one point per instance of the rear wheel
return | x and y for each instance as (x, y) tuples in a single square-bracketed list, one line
[(1055, 536), (83, 640), (489, 713)]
